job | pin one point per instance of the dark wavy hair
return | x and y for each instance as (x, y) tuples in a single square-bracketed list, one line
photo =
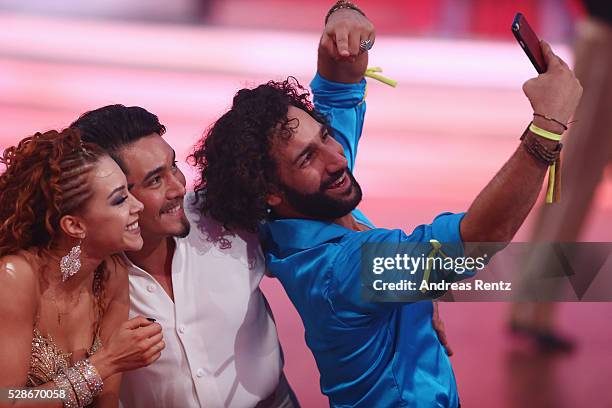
[(113, 127), (236, 171)]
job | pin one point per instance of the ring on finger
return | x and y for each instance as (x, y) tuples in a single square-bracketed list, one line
[(366, 45)]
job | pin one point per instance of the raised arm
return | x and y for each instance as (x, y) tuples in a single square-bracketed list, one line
[(340, 57), (502, 206)]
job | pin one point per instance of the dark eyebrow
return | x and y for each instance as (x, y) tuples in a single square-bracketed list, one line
[(310, 146), (115, 191), (158, 169), (304, 152), (152, 173)]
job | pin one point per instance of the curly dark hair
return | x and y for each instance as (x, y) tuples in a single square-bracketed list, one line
[(235, 168), (45, 178)]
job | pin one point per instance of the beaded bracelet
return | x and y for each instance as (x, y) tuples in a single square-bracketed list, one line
[(342, 4), (80, 386), (91, 376), (564, 125), (541, 152), (81, 383), (62, 383), (552, 158)]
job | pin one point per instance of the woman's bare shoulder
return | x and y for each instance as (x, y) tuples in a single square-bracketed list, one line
[(19, 281)]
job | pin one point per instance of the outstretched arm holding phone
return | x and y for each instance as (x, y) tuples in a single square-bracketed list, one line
[(499, 210)]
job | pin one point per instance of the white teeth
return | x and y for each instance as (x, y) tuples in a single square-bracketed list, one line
[(133, 226), (173, 210), (340, 181)]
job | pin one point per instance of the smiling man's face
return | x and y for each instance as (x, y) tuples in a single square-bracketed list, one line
[(314, 178), (156, 181)]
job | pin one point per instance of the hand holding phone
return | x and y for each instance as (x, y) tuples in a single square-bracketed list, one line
[(529, 42), (555, 93)]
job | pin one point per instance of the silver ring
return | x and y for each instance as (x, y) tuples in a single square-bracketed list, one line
[(366, 45)]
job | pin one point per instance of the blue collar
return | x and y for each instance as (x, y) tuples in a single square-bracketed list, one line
[(287, 236)]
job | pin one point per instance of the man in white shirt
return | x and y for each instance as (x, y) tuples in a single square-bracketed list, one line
[(222, 348)]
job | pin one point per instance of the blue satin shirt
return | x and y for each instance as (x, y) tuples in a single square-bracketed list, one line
[(368, 354)]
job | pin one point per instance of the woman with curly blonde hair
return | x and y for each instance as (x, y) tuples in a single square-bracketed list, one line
[(65, 210)]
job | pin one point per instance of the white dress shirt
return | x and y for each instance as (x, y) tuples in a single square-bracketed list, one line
[(222, 348)]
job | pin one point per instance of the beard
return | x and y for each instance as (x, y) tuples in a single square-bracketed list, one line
[(186, 227), (321, 206)]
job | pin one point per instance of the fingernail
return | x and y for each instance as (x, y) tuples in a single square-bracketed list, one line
[(152, 320)]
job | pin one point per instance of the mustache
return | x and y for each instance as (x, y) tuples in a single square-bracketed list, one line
[(172, 204), (333, 178)]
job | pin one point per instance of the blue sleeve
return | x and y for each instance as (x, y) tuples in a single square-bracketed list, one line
[(350, 288), (344, 107)]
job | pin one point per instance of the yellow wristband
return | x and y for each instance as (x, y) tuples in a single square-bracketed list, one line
[(544, 133)]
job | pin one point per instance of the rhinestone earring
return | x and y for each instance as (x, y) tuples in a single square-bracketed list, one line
[(71, 263)]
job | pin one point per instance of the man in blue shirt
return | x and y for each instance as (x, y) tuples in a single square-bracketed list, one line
[(276, 163)]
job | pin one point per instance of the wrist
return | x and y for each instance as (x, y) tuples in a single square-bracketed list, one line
[(544, 150), (547, 143), (342, 5), (343, 12), (103, 364), (548, 125)]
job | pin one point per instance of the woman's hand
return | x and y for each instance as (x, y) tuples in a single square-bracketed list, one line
[(137, 343)]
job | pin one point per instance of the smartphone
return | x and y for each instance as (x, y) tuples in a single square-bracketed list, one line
[(529, 42)]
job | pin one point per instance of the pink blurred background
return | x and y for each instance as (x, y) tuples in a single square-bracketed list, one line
[(456, 115)]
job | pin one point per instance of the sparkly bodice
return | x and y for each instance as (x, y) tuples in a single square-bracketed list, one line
[(48, 359)]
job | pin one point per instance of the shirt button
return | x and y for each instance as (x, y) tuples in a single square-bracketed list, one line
[(182, 329), (151, 288), (200, 373)]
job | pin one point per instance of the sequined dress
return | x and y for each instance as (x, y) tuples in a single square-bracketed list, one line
[(48, 359)]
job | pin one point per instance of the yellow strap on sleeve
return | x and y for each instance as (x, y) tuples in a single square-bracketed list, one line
[(372, 73), (437, 249)]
